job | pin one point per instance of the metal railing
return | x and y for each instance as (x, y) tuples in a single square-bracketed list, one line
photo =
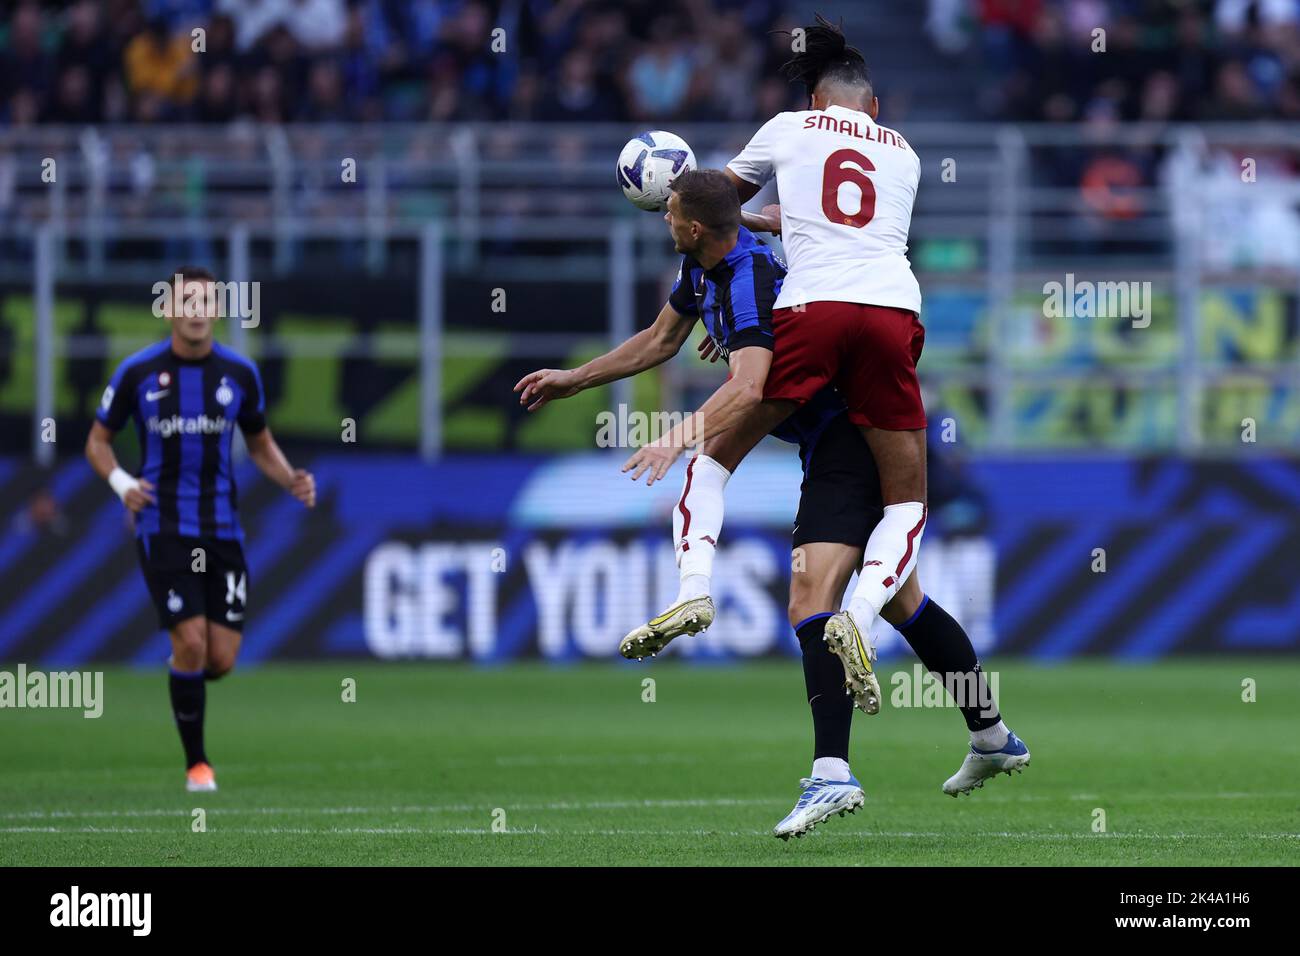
[(540, 201)]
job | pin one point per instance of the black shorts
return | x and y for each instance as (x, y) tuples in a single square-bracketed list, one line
[(217, 592), (839, 500)]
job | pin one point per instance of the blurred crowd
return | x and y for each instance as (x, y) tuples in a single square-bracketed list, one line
[(95, 61), (1095, 63), (1159, 60), (639, 61)]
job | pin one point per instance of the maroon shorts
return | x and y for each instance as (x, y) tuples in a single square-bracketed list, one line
[(868, 352)]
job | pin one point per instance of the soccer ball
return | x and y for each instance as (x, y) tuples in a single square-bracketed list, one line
[(647, 166)]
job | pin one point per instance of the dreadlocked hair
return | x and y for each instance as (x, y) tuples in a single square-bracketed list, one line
[(826, 54)]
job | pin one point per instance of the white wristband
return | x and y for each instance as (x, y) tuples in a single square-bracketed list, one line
[(121, 482)]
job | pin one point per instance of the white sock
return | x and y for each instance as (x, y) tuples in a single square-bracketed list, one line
[(693, 586), (697, 524), (990, 738), (831, 768), (889, 558)]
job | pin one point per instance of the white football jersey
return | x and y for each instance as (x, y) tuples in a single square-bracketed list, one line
[(846, 186)]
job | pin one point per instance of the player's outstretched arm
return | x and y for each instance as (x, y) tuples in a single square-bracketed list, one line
[(737, 397), (134, 492), (646, 349), (270, 460)]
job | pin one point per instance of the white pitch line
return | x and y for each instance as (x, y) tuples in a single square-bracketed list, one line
[(441, 808), (473, 831), (878, 800), (379, 763)]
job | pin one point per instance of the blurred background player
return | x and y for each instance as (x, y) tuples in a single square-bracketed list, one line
[(186, 394)]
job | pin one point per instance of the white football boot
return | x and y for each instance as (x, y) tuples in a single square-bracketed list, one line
[(820, 799), (688, 617), (846, 643), (980, 765)]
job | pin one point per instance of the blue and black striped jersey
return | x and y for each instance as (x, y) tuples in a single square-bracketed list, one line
[(735, 299), (185, 412)]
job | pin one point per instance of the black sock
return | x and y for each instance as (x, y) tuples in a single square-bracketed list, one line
[(823, 676), (946, 651), (188, 697)]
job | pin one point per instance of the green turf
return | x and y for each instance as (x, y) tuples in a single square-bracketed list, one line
[(588, 773)]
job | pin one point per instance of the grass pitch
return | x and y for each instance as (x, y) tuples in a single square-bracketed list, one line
[(581, 770)]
